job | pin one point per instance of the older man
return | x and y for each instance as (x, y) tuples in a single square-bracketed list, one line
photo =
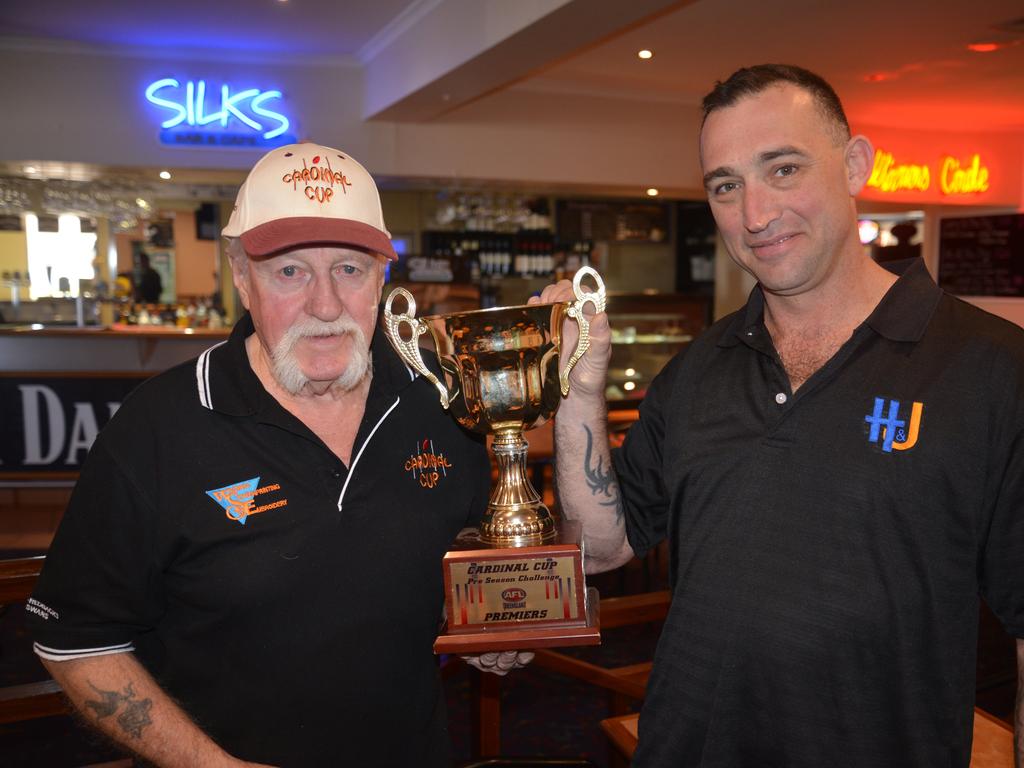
[(838, 468), (249, 568)]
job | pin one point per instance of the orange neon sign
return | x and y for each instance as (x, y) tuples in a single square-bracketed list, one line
[(954, 177)]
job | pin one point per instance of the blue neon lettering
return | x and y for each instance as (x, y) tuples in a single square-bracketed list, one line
[(257, 107), (190, 102), (193, 109), (228, 102), (167, 82), (202, 119)]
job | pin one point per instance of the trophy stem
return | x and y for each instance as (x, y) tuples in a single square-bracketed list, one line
[(515, 516)]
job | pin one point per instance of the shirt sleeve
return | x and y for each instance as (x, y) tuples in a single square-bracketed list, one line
[(98, 588), (638, 466), (1002, 557)]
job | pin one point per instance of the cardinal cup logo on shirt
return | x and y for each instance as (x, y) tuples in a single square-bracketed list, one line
[(891, 427), (428, 465), (239, 499)]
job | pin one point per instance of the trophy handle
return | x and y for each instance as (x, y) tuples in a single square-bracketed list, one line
[(409, 350), (575, 311)]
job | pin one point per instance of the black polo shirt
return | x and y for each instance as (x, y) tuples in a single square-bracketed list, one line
[(828, 546), (287, 601)]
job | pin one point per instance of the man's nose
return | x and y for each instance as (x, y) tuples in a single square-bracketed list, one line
[(324, 301), (760, 208)]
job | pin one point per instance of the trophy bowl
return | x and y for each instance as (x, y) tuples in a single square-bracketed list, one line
[(502, 367)]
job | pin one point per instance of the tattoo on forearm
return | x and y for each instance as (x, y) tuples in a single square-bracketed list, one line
[(132, 719), (601, 481)]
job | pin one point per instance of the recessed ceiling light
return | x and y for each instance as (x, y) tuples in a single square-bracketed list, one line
[(629, 386), (983, 47), (652, 192), (165, 175), (645, 54)]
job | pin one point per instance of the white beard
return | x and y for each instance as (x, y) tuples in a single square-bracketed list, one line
[(286, 368)]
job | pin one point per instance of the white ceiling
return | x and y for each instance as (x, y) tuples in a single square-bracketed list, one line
[(915, 50), (927, 78), (900, 64), (302, 28)]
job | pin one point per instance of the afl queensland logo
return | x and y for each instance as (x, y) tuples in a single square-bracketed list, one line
[(513, 597)]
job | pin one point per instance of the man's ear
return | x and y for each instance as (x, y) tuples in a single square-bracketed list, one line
[(860, 161)]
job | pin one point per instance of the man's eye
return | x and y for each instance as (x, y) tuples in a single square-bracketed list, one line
[(289, 271), (786, 170), (348, 269), (725, 188)]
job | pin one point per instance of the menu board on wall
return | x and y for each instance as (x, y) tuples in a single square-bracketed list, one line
[(982, 255)]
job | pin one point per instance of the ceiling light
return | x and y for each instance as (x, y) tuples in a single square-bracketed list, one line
[(983, 47), (652, 192), (165, 175), (31, 169), (645, 54), (629, 386)]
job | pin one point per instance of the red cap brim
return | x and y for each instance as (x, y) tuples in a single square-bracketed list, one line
[(303, 231)]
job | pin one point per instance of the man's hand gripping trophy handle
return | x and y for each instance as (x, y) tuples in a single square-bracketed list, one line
[(588, 490)]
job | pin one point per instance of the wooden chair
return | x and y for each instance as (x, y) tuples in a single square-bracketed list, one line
[(32, 700), (624, 683), (993, 739)]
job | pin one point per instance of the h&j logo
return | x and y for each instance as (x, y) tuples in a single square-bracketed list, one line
[(890, 429)]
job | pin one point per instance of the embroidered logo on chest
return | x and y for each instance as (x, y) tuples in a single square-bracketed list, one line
[(891, 427), (239, 499), (427, 465)]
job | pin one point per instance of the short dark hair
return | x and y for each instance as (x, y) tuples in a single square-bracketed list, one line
[(749, 81)]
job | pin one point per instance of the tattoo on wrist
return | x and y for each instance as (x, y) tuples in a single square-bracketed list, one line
[(600, 480), (132, 719)]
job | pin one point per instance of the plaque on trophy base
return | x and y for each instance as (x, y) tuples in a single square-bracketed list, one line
[(517, 598), (516, 582)]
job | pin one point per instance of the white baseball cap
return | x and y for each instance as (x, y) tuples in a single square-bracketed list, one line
[(303, 195)]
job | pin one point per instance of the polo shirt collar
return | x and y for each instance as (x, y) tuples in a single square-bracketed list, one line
[(906, 309), (903, 313), (227, 383)]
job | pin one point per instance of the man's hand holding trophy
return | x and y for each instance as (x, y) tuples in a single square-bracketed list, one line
[(517, 582)]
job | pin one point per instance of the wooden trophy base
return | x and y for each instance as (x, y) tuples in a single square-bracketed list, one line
[(517, 598), (525, 639)]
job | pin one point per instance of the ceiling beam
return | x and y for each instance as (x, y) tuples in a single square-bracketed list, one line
[(442, 54)]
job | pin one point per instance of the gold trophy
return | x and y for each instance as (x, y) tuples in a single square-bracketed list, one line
[(517, 581)]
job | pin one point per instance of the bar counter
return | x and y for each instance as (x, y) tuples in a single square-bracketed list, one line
[(60, 384), (142, 349)]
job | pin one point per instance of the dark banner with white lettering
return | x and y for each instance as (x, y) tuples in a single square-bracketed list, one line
[(48, 423)]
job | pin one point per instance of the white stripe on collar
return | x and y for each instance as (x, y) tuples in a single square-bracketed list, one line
[(366, 442), (203, 377)]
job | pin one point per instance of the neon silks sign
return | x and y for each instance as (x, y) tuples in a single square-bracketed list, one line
[(218, 116), (955, 177)]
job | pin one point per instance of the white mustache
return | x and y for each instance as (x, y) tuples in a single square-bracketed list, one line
[(314, 328)]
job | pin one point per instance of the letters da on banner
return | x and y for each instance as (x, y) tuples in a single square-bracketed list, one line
[(50, 422)]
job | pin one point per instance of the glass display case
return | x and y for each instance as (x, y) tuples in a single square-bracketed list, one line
[(648, 329)]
